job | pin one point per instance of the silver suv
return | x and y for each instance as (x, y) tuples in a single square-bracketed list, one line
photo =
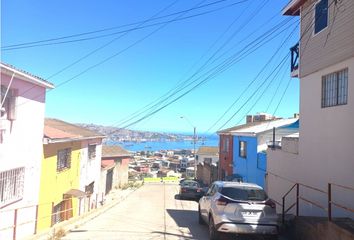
[(242, 208)]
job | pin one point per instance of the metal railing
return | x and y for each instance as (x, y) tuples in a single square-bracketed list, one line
[(299, 197), (330, 202), (14, 224)]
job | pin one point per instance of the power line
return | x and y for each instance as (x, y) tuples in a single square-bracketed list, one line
[(302, 35), (44, 42), (210, 76), (184, 84), (217, 70), (108, 43), (251, 83), (253, 94), (107, 29)]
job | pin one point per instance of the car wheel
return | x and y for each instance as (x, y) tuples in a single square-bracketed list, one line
[(213, 233), (200, 218)]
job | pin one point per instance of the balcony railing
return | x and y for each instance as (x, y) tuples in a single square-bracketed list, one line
[(294, 60)]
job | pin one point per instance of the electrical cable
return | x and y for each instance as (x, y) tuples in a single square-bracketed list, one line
[(123, 31)]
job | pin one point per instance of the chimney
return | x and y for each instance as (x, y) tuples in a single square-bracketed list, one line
[(249, 118)]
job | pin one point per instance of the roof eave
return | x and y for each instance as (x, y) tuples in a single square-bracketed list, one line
[(115, 156), (27, 77), (47, 140), (293, 8)]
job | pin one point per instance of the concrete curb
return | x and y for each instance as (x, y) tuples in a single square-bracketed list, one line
[(75, 222)]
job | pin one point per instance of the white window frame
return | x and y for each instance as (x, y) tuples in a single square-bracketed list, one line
[(314, 18), (11, 186), (334, 89)]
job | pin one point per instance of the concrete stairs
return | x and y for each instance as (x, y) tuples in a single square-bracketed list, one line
[(317, 228)]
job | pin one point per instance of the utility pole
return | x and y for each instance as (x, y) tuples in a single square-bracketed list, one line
[(195, 159), (194, 143)]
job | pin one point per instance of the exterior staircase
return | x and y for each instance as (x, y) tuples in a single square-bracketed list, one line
[(317, 228), (296, 227)]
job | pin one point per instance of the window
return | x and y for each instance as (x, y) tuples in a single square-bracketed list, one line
[(91, 152), (321, 15), (63, 159), (208, 160), (226, 145), (335, 89), (9, 98), (245, 194), (11, 185), (57, 214), (243, 149)]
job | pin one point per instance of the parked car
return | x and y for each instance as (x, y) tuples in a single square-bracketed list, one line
[(240, 208), (191, 189)]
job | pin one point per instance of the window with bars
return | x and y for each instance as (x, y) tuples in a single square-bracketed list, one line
[(11, 185), (335, 89), (57, 214), (63, 159), (91, 152)]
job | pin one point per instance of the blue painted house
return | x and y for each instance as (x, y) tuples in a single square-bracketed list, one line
[(250, 143)]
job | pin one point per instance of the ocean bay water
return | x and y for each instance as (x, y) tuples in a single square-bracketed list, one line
[(166, 145)]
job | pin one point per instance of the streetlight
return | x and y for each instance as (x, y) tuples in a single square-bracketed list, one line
[(194, 142)]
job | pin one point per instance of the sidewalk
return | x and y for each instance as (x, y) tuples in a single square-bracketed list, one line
[(115, 197)]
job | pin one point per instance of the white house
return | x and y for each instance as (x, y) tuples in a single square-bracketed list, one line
[(207, 154), (324, 152), (21, 131)]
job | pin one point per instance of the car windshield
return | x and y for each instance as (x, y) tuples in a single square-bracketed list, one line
[(244, 194), (189, 184)]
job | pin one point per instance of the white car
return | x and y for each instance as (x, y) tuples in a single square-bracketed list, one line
[(240, 208)]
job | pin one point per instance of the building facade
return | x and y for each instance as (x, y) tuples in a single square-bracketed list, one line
[(22, 98), (326, 73), (114, 168), (251, 143), (72, 162)]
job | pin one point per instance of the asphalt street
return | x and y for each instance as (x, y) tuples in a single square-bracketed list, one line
[(154, 212), (151, 212)]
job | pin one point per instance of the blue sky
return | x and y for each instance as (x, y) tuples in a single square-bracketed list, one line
[(151, 61)]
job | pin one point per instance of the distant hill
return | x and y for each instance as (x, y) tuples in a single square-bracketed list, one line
[(119, 134)]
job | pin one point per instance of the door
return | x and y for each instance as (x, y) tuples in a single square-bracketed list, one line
[(109, 180)]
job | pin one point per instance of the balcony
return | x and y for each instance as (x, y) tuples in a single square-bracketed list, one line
[(295, 60)]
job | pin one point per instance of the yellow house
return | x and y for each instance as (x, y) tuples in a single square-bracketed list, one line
[(60, 195)]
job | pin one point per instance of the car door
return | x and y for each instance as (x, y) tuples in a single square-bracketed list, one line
[(205, 202)]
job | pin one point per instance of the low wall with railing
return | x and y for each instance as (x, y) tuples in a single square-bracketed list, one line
[(25, 221)]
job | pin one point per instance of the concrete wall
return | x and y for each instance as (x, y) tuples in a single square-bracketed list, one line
[(326, 149), (282, 171), (22, 147), (333, 44), (327, 135), (120, 174), (90, 171)]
